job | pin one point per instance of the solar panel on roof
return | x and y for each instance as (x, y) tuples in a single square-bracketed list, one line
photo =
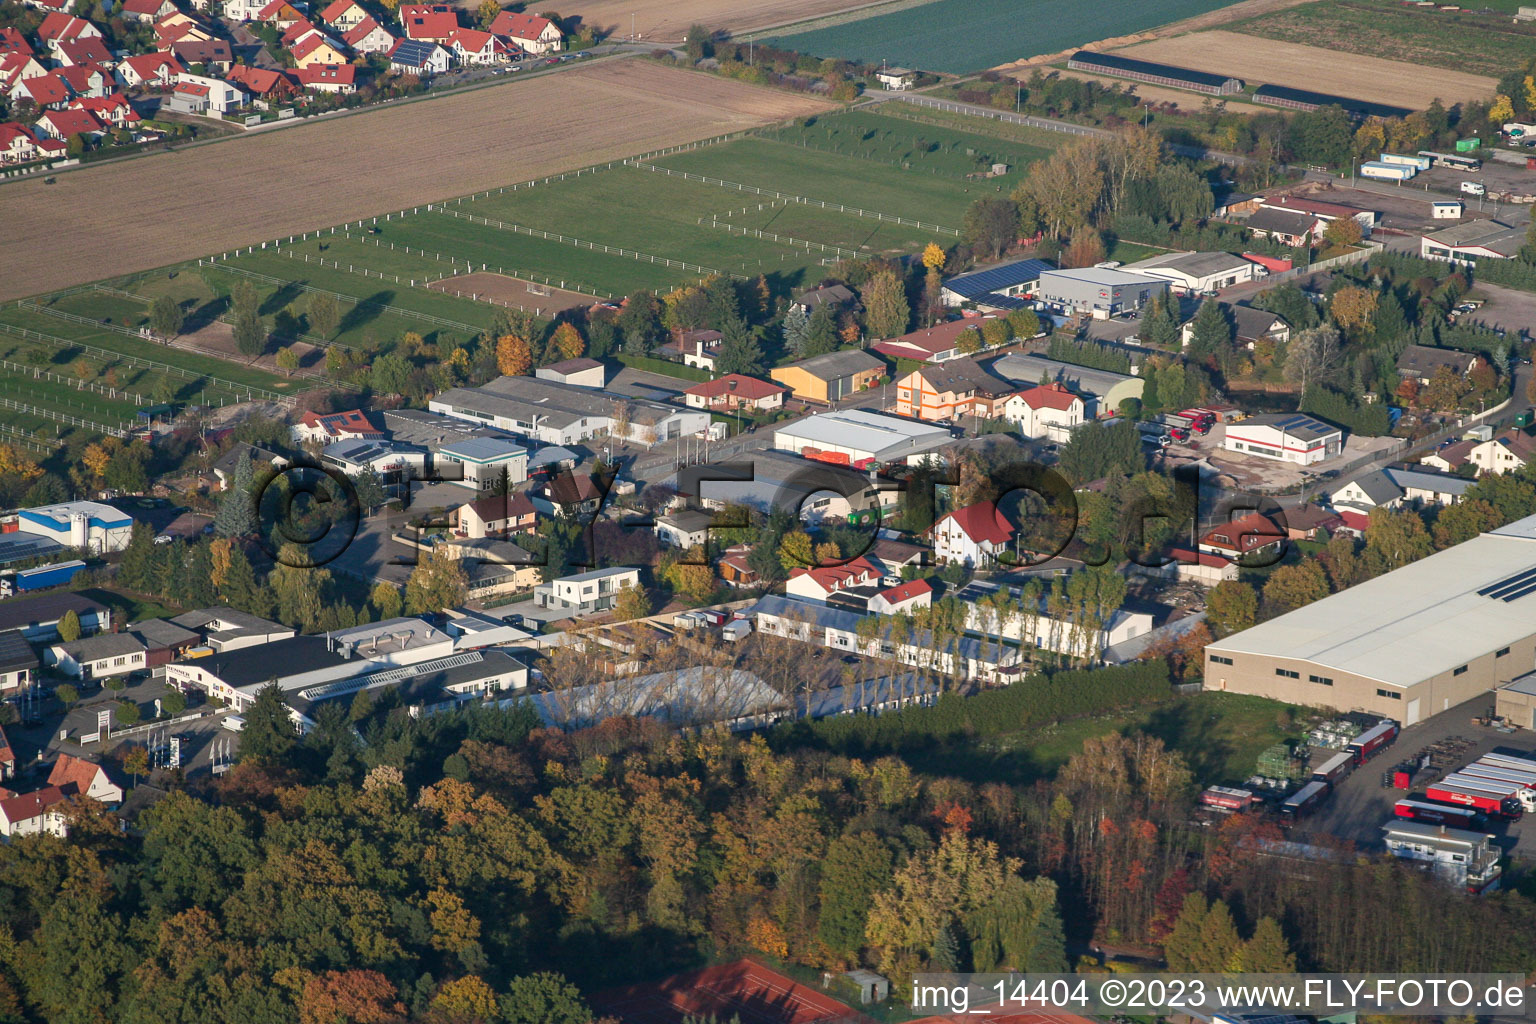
[(1508, 582), (1515, 595)]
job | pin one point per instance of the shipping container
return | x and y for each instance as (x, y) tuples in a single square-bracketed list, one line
[(1387, 172), (1468, 145), (1437, 814), (1227, 798), (1375, 739), (1501, 804), (1304, 800), (1421, 163), (1334, 769)]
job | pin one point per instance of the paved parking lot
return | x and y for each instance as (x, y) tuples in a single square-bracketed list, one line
[(1507, 309), (1360, 805)]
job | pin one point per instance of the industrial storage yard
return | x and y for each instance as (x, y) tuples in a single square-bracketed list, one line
[(1297, 66)]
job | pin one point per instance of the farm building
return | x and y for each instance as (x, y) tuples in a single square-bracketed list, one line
[(1104, 293), (1408, 645), (1303, 99), (1290, 437), (1006, 279), (1154, 74)]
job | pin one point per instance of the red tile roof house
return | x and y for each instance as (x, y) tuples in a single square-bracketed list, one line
[(150, 70), (145, 10), (527, 31), (434, 22), (299, 30), (17, 146), (337, 78), (1252, 534), (975, 535), (932, 344), (61, 28), (89, 779), (473, 47), (47, 92), (1047, 410), (113, 110), (61, 124), (36, 813), (260, 82), (91, 81), (344, 15), (327, 427), (369, 37), (12, 41), (15, 66), (85, 50), (279, 13), (821, 583), (903, 599), (735, 391)]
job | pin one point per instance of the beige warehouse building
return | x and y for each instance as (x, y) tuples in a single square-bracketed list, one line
[(1407, 645)]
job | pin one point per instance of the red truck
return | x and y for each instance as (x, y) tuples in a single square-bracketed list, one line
[(1227, 798), (1200, 420), (1491, 802), (1374, 740), (1437, 814)]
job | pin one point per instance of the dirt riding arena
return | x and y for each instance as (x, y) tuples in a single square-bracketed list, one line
[(514, 292), (1259, 61), (744, 989), (111, 219), (1184, 99), (667, 21)]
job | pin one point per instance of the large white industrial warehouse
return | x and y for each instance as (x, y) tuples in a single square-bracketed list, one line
[(1407, 645)]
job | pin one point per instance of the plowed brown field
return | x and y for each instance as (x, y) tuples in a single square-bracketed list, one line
[(118, 218), (1258, 61), (668, 20)]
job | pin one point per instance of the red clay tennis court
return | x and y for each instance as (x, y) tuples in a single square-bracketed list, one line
[(742, 989)]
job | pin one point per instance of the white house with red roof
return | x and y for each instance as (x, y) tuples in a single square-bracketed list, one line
[(975, 535), (90, 81), (78, 52), (335, 78), (1049, 410), (61, 28), (12, 41), (328, 427), (47, 92), (178, 28), (821, 583), (215, 94), (902, 600), (1252, 534), (150, 70), (61, 124), (17, 146), (260, 82), (16, 66), (935, 344), (369, 37), (527, 31), (475, 48), (735, 391), (344, 15), (315, 47), (433, 22), (37, 813), (145, 10), (89, 779), (113, 110)]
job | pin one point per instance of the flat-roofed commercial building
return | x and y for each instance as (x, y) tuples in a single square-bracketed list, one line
[(1406, 645), (854, 437)]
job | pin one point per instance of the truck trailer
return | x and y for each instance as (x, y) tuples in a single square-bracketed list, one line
[(1334, 769), (1431, 813), (1304, 801), (1371, 742), (1387, 172), (1490, 802), (40, 578), (1524, 764), (1525, 797), (1227, 798)]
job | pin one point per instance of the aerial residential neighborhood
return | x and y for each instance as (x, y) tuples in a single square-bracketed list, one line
[(700, 513)]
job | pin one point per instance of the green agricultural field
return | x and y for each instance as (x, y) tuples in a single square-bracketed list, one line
[(962, 36), (1458, 40)]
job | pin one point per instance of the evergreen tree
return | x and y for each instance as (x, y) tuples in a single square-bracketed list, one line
[(739, 351), (268, 737), (236, 515), (1266, 952), (855, 868), (199, 592), (796, 329), (946, 950), (69, 627), (1219, 943), (1182, 947), (1160, 323), (1211, 332), (137, 569), (370, 490), (821, 332)]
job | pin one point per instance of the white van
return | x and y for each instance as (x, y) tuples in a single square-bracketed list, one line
[(234, 723), (1474, 188)]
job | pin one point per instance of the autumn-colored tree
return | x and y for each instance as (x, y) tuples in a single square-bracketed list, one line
[(17, 467), (136, 763), (467, 998), (1353, 307), (566, 342), (1408, 390), (1502, 110), (1231, 606), (349, 997), (1394, 538), (437, 582), (969, 342), (454, 928), (1085, 249), (98, 456), (1343, 231), (385, 599), (513, 356), (796, 551), (69, 626), (765, 935), (287, 359), (1293, 586), (886, 311), (691, 575), (1465, 520), (933, 256), (632, 603)]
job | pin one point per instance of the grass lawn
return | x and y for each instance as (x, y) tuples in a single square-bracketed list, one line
[(1130, 252), (128, 607), (1220, 734), (664, 367), (834, 178), (1459, 40)]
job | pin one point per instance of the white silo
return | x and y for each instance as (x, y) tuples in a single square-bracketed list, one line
[(79, 530)]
